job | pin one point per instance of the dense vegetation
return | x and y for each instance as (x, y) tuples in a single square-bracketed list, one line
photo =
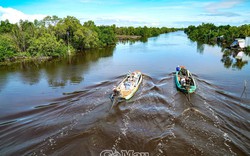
[(144, 32), (208, 33), (54, 36)]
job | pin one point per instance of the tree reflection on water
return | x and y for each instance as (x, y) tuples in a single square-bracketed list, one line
[(231, 61), (58, 72), (229, 58)]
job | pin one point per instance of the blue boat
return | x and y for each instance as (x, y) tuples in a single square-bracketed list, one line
[(184, 80)]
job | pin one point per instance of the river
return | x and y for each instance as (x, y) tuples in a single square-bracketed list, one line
[(62, 106)]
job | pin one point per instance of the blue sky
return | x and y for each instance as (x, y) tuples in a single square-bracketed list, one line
[(170, 13)]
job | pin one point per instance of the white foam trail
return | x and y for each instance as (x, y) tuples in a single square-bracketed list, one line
[(217, 124), (126, 119)]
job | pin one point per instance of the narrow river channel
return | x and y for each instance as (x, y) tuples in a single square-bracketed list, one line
[(62, 107)]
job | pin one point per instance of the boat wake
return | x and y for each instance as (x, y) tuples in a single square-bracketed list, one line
[(158, 119)]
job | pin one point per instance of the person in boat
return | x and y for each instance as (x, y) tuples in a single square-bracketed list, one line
[(131, 78), (183, 71), (182, 74), (188, 81), (115, 92), (183, 81)]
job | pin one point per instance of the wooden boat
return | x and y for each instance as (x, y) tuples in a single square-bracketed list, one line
[(184, 80), (128, 87)]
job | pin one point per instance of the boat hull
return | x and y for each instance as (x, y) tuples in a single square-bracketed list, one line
[(134, 90), (127, 92), (185, 89)]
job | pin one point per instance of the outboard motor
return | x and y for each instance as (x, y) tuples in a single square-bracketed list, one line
[(178, 68)]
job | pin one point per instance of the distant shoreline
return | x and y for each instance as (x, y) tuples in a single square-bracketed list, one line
[(127, 37)]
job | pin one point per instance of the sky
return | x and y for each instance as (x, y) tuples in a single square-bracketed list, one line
[(156, 13)]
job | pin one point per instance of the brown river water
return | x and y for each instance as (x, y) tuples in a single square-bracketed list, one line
[(62, 107)]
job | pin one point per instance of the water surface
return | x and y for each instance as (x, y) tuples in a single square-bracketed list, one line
[(62, 107)]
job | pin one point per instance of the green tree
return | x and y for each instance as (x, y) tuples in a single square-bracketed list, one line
[(85, 38), (7, 47), (208, 32), (47, 45), (66, 28), (52, 35), (5, 27), (106, 36), (22, 33)]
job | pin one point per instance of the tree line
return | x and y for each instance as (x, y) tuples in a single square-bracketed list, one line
[(54, 36), (224, 35), (209, 33)]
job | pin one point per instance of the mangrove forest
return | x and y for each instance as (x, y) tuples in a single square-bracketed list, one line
[(54, 37), (210, 34)]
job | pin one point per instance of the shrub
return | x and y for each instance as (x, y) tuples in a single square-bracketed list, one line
[(7, 47)]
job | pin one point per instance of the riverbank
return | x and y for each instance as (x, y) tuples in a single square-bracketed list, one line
[(16, 60), (54, 39), (25, 57), (208, 33)]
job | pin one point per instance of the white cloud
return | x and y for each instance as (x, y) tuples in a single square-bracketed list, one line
[(123, 22), (14, 15), (224, 12), (216, 6), (120, 20)]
